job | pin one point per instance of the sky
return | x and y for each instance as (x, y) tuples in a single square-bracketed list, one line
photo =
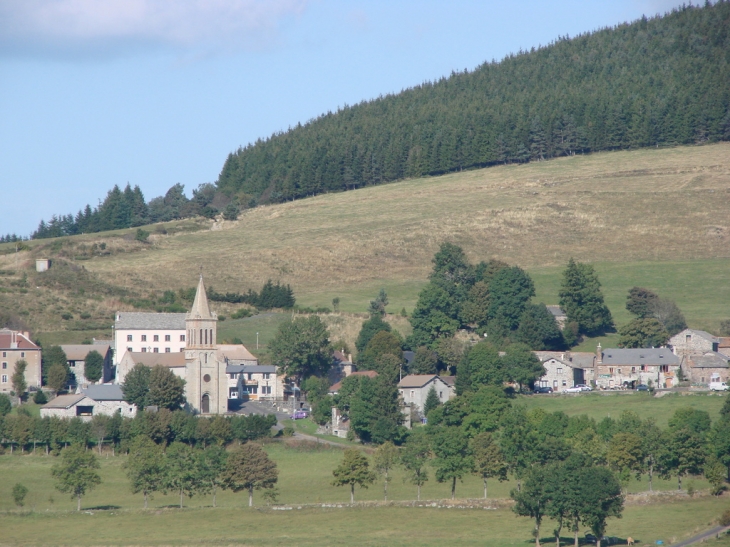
[(95, 93)]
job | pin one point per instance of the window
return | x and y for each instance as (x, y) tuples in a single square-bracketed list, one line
[(642, 368), (555, 384), (560, 371), (156, 338), (665, 368), (619, 371), (232, 375), (5, 378), (155, 350), (5, 365), (129, 338), (633, 369), (441, 394), (5, 354), (144, 338), (565, 383), (129, 349), (266, 375), (144, 350), (22, 354), (688, 338), (266, 390), (413, 393), (182, 349), (167, 338), (610, 370), (253, 390), (250, 376), (167, 350), (182, 337)]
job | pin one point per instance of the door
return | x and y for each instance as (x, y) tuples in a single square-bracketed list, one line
[(205, 404)]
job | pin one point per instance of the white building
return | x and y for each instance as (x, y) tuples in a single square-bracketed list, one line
[(148, 333)]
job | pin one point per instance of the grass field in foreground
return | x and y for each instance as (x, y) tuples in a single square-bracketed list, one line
[(599, 405), (356, 526)]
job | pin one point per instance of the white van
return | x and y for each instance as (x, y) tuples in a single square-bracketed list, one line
[(718, 386)]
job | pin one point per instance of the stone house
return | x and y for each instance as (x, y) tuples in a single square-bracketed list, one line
[(16, 346), (724, 346), (693, 342), (139, 332), (708, 367), (254, 382), (342, 366), (564, 369), (414, 389), (89, 402), (624, 367), (76, 359)]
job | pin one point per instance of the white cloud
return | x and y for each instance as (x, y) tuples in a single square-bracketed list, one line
[(55, 26)]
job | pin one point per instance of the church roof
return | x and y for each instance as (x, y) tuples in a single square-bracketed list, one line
[(200, 308)]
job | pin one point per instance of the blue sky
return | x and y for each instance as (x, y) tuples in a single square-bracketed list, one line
[(155, 92)]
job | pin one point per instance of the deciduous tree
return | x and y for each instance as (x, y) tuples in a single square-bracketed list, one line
[(301, 348), (166, 390), (354, 470), (452, 459), (488, 459), (145, 467), (385, 459), (414, 457), (76, 473), (249, 468), (182, 474), (136, 386)]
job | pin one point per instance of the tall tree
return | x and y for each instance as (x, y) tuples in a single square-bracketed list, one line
[(452, 455), (370, 328), (145, 467), (136, 386), (639, 300), (509, 291), (212, 464), (642, 333), (166, 390), (249, 468), (538, 329), (488, 459), (76, 473), (182, 474), (301, 348), (93, 366), (354, 470), (532, 499), (414, 457), (18, 379), (521, 365), (385, 459), (582, 300)]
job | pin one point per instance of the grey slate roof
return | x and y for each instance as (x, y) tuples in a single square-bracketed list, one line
[(575, 359), (112, 392), (652, 356), (711, 359), (254, 369), (64, 401), (149, 321)]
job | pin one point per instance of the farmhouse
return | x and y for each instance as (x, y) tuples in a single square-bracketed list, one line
[(708, 367), (414, 389), (16, 346), (564, 369), (76, 359), (693, 342), (621, 367), (89, 402), (148, 333)]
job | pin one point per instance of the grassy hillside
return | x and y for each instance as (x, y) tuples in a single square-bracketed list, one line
[(650, 217)]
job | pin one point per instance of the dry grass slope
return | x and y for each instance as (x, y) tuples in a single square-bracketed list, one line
[(644, 205)]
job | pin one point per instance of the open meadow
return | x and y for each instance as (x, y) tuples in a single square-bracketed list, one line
[(111, 515), (647, 217)]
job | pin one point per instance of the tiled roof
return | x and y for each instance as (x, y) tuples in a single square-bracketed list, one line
[(78, 352), (8, 337), (235, 352), (104, 392), (652, 356), (151, 359), (149, 321), (65, 401)]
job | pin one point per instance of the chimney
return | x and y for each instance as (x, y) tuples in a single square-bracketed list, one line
[(599, 354), (568, 356), (349, 357)]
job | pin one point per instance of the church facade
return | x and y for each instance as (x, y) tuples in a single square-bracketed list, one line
[(206, 381)]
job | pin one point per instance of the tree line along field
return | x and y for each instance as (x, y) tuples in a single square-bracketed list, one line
[(645, 217), (110, 512)]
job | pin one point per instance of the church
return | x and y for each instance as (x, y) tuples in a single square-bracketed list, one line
[(214, 373)]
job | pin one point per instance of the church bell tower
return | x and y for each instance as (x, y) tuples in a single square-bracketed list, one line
[(206, 381)]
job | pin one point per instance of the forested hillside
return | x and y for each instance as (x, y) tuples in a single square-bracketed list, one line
[(655, 82)]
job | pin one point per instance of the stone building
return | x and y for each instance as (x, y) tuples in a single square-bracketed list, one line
[(174, 361), (76, 359), (693, 342), (559, 315), (564, 369), (708, 367), (623, 367), (92, 401), (414, 389), (16, 346)]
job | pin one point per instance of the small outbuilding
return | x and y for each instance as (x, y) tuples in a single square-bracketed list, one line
[(42, 264), (89, 402)]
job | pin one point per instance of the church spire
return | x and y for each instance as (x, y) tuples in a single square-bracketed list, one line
[(200, 304)]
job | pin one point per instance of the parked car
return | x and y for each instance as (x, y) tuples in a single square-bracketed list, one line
[(299, 414), (543, 389), (718, 386), (642, 387), (578, 388), (590, 538)]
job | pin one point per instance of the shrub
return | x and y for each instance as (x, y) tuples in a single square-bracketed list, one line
[(40, 398), (725, 518), (66, 316), (142, 235)]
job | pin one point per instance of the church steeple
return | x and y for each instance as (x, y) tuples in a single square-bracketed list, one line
[(200, 322), (200, 304)]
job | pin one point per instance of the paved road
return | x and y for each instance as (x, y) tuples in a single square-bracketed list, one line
[(704, 535)]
